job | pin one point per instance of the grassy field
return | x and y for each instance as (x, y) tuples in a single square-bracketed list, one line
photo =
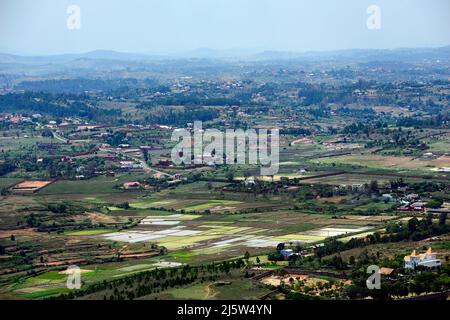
[(8, 182), (210, 204), (101, 184), (89, 232), (393, 163), (229, 287)]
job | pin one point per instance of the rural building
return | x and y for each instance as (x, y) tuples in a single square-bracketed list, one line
[(427, 259), (249, 182), (131, 185), (132, 150), (286, 253), (130, 165), (418, 206), (411, 196), (359, 187), (387, 271), (388, 197)]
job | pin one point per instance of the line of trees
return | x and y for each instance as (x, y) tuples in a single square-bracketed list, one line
[(154, 281)]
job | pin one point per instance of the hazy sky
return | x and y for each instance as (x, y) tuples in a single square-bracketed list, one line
[(155, 26)]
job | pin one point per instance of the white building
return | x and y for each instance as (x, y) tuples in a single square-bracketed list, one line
[(427, 259)]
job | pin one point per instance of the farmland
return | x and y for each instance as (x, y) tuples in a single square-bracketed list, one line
[(89, 178), (192, 223)]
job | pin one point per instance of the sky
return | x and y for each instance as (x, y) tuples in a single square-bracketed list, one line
[(32, 27)]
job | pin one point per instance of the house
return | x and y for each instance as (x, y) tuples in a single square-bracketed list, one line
[(131, 150), (131, 185), (417, 206), (129, 165), (411, 196), (158, 175), (387, 197), (359, 187), (386, 271), (287, 253), (178, 176), (249, 182), (427, 259)]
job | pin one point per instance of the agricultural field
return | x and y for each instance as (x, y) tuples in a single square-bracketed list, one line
[(228, 287), (188, 238), (389, 163)]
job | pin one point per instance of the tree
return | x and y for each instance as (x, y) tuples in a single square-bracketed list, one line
[(258, 261), (13, 237), (124, 205), (373, 187), (274, 256), (337, 262), (435, 203), (352, 260), (246, 256), (230, 176), (162, 251), (146, 156), (442, 218), (412, 225)]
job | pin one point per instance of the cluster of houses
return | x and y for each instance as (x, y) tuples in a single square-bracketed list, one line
[(18, 118), (170, 179), (408, 203), (412, 203), (427, 260)]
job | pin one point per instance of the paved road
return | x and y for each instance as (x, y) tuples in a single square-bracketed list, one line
[(58, 137)]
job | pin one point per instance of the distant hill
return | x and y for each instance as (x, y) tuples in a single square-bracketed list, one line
[(207, 53), (64, 58), (401, 54), (110, 61)]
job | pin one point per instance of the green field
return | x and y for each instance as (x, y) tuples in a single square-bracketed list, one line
[(210, 204), (89, 232), (97, 185)]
